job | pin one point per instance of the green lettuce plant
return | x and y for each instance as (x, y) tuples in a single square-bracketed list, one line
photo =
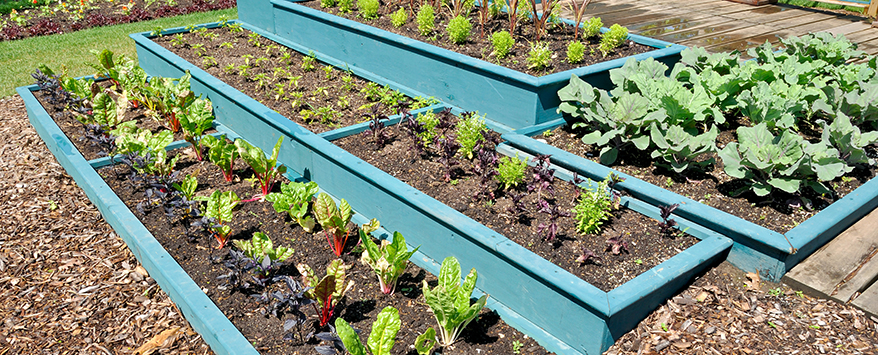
[(575, 52), (612, 39), (540, 56), (450, 300), (459, 29), (592, 27), (388, 260), (294, 198)]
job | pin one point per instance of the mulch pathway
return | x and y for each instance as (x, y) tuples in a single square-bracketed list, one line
[(56, 248)]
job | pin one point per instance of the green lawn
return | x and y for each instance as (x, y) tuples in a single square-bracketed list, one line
[(18, 59)]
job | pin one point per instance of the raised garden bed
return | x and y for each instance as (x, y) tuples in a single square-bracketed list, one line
[(566, 314), (513, 98), (773, 231)]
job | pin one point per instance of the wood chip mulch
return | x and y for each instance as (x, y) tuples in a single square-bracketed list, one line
[(69, 285)]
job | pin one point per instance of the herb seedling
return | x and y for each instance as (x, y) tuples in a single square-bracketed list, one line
[(617, 245), (503, 43), (426, 20), (542, 177), (399, 18), (550, 230), (666, 226), (511, 171), (377, 130), (612, 39), (593, 208), (459, 29), (587, 256), (540, 56)]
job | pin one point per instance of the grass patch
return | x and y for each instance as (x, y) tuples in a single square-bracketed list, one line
[(20, 58), (821, 5)]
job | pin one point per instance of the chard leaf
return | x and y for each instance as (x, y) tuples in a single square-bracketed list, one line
[(424, 343), (384, 331), (349, 337)]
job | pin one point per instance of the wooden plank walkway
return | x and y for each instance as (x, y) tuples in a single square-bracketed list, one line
[(845, 269), (720, 25)]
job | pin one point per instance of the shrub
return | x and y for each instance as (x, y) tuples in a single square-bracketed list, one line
[(426, 20), (399, 17), (540, 56), (592, 27), (575, 52), (503, 43), (459, 29), (613, 38), (368, 9), (511, 171)]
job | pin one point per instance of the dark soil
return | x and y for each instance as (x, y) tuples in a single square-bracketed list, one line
[(43, 20), (75, 130), (480, 46), (317, 88), (714, 187), (647, 248), (196, 253)]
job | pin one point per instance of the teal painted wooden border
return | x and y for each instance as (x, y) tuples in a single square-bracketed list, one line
[(756, 247), (579, 317), (199, 310), (507, 96)]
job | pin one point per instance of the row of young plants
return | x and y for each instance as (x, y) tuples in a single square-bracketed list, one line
[(465, 149), (802, 116), (63, 16), (255, 264), (322, 97), (458, 17)]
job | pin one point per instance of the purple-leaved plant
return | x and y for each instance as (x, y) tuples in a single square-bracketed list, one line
[(485, 164), (666, 226), (550, 230), (617, 245), (542, 177), (377, 130), (588, 256)]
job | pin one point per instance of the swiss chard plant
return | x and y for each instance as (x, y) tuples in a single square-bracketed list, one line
[(260, 247), (380, 341), (334, 220), (295, 198), (450, 300), (425, 342), (144, 142), (265, 169), (221, 153), (327, 291), (194, 120), (388, 260), (165, 98), (219, 213)]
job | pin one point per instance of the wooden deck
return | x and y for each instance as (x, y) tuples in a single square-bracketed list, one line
[(720, 25)]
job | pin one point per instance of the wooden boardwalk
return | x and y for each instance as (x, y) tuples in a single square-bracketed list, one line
[(720, 25)]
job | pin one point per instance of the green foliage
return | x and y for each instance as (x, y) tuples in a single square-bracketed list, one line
[(399, 18), (220, 206), (848, 140), (221, 153), (679, 149), (368, 9), (511, 171), (380, 341), (503, 43), (334, 220), (265, 169), (540, 56), (575, 52), (787, 162), (144, 142), (459, 29), (108, 108), (594, 207), (592, 27), (469, 133), (612, 39), (345, 6), (260, 246), (424, 343), (187, 187), (426, 20), (309, 62), (294, 198), (327, 3), (194, 120), (388, 260), (450, 300)]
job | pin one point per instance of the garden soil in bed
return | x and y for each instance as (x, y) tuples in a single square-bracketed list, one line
[(487, 335), (318, 89), (479, 47), (713, 188), (647, 247)]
